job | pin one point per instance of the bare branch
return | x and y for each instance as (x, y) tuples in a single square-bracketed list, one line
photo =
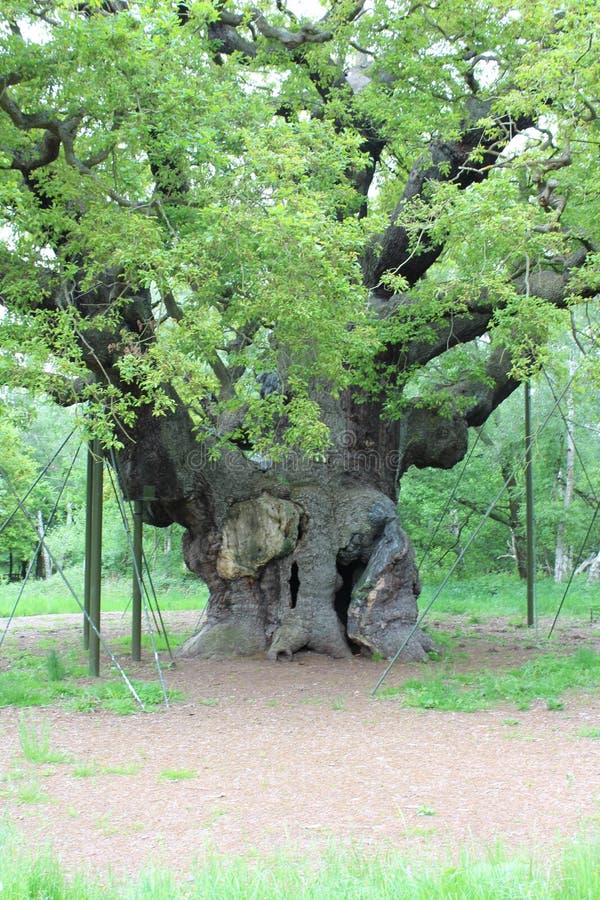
[(66, 135), (350, 16), (67, 391), (448, 161), (291, 40), (43, 120), (495, 514), (174, 311)]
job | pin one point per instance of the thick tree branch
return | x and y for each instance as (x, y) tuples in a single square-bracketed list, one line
[(41, 154), (428, 438), (550, 283), (42, 120), (449, 161), (291, 40), (227, 40), (58, 132), (489, 393), (495, 514), (225, 30), (349, 16)]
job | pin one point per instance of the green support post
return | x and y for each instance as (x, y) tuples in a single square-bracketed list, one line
[(530, 516), (88, 545), (96, 559), (136, 605)]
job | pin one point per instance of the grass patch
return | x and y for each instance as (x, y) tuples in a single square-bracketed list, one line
[(22, 688), (505, 595), (92, 769), (52, 596), (35, 743), (33, 680), (55, 668), (592, 733), (28, 791), (178, 774), (545, 678), (340, 873), (160, 642), (115, 696), (30, 681), (85, 770), (478, 598)]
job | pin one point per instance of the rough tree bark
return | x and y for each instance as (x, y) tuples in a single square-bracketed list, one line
[(296, 554)]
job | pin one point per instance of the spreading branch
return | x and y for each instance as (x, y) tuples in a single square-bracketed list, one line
[(448, 161), (291, 40)]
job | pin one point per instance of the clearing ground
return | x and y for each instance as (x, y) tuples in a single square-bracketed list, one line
[(261, 756)]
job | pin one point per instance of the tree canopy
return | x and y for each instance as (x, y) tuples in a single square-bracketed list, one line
[(204, 194)]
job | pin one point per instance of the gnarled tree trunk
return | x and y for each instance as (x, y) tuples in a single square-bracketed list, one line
[(296, 554)]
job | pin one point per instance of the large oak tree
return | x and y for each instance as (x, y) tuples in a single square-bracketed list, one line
[(281, 258)]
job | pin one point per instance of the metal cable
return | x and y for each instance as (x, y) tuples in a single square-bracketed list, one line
[(577, 453), (33, 560), (36, 482), (572, 575), (159, 625), (450, 499), (459, 559), (60, 571), (140, 581)]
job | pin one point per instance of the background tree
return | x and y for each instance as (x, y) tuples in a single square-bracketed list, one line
[(18, 541), (245, 238), (441, 509)]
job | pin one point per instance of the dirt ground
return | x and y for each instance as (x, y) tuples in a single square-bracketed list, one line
[(260, 756)]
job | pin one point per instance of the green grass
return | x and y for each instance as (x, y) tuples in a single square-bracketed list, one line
[(498, 595), (160, 642), (592, 733), (55, 667), (26, 791), (425, 811), (342, 872), (86, 770), (28, 682), (31, 681), (52, 596), (35, 742), (178, 774), (91, 769), (545, 678), (115, 696), (505, 595)]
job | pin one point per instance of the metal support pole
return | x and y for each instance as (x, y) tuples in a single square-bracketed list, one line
[(136, 605), (530, 515), (88, 545), (96, 558)]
